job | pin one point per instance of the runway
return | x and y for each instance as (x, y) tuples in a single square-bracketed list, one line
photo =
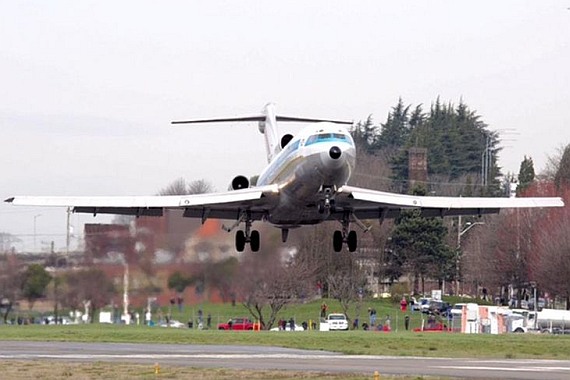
[(265, 358)]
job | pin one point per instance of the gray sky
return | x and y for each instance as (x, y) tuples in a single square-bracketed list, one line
[(88, 88)]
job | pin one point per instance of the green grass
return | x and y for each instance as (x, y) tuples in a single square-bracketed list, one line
[(398, 342), (351, 342)]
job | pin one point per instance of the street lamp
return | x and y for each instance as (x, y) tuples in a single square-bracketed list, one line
[(461, 232), (35, 217)]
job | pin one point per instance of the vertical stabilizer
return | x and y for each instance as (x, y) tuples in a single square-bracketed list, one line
[(269, 129), (267, 125)]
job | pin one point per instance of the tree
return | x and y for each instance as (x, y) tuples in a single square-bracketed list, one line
[(221, 275), (364, 135), (181, 187), (396, 129), (526, 175), (418, 246), (7, 242), (458, 144), (268, 282), (34, 283), (562, 176), (10, 281), (90, 286), (346, 281), (179, 282)]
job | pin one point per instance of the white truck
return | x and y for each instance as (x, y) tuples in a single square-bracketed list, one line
[(553, 321), (335, 321)]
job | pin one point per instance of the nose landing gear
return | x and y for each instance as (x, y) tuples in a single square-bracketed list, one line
[(326, 204)]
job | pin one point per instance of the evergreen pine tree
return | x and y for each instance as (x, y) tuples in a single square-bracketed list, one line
[(526, 175)]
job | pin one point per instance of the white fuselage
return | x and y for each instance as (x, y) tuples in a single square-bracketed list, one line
[(322, 156)]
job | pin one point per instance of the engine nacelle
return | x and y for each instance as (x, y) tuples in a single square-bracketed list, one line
[(239, 182), (285, 140)]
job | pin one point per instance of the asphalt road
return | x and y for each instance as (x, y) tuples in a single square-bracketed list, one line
[(259, 358)]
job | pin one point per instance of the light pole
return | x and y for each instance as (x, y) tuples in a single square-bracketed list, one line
[(35, 217), (460, 233)]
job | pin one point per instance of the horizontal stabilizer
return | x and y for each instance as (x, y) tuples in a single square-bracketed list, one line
[(292, 119)]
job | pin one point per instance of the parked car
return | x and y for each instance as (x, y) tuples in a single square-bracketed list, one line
[(337, 321), (173, 323), (50, 320), (288, 328), (422, 304), (237, 324)]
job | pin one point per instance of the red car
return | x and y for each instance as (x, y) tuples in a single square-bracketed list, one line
[(434, 327), (237, 324)]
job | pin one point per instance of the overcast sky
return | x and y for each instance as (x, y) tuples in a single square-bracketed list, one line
[(88, 88)]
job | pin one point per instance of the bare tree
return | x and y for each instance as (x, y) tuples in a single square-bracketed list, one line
[(10, 279), (552, 267), (7, 242), (347, 281), (181, 187), (267, 283), (91, 285)]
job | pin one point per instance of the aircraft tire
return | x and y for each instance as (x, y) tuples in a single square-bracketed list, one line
[(240, 241), (254, 241), (337, 241), (352, 241)]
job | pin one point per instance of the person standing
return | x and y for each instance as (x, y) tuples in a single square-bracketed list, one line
[(324, 308), (372, 316), (404, 304)]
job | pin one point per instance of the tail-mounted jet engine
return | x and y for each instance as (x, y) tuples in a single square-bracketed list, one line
[(239, 182), (285, 140)]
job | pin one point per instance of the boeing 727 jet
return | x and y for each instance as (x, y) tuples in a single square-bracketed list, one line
[(304, 183)]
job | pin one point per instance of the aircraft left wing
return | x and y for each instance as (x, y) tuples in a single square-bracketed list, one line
[(372, 204), (223, 205)]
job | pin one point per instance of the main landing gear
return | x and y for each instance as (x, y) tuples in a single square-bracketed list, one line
[(347, 236), (245, 236)]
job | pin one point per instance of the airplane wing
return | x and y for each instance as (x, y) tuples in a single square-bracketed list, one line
[(372, 204), (223, 205)]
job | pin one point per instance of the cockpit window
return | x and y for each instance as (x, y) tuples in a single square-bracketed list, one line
[(329, 137)]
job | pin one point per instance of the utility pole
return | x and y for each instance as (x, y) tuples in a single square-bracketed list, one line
[(460, 232), (35, 217), (67, 235)]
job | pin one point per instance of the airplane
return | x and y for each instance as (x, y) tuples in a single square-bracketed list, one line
[(304, 183)]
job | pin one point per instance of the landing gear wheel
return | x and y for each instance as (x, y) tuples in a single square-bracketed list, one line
[(254, 241), (321, 207), (352, 241), (337, 241), (240, 241)]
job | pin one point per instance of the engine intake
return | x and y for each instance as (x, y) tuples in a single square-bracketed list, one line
[(239, 182), (285, 140)]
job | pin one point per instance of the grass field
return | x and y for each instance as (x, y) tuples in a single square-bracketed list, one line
[(397, 343), (349, 342)]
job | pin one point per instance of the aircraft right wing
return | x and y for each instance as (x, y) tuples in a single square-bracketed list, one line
[(223, 205), (372, 204)]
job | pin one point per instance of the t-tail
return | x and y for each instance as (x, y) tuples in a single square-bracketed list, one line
[(267, 125)]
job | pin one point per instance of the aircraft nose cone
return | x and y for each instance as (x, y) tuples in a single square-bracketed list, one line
[(335, 152)]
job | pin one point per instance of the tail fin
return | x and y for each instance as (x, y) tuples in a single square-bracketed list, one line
[(267, 125)]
